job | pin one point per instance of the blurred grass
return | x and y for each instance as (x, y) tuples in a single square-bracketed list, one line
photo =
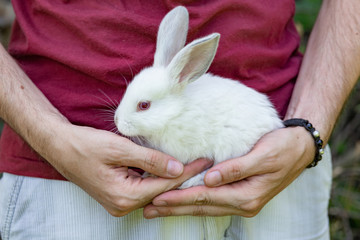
[(344, 209), (305, 16), (345, 196)]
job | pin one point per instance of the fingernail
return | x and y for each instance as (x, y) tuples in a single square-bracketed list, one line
[(174, 168), (152, 214), (209, 163), (213, 178)]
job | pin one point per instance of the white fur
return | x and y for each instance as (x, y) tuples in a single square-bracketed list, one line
[(193, 114)]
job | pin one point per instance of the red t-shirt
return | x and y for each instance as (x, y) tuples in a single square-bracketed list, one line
[(78, 51)]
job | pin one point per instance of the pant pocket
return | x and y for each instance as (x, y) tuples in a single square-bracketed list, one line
[(10, 186)]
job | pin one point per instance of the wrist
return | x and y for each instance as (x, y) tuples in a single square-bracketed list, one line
[(49, 138), (306, 144), (311, 131), (322, 123)]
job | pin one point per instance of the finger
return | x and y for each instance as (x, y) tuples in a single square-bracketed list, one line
[(260, 160), (152, 161), (201, 195), (190, 170), (152, 211), (232, 170), (143, 190), (235, 196), (133, 173)]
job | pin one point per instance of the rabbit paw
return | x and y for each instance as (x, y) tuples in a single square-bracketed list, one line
[(197, 180)]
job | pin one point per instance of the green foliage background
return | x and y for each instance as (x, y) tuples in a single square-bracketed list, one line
[(344, 209)]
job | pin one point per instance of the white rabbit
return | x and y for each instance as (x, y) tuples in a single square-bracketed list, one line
[(177, 108)]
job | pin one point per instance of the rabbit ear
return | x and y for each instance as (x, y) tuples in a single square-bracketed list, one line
[(171, 36), (194, 59)]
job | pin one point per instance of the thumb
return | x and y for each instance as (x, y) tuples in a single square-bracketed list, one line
[(152, 161), (232, 170)]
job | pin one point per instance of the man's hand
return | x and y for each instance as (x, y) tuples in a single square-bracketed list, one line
[(242, 186), (98, 161)]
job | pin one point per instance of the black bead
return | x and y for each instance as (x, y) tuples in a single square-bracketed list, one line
[(319, 142)]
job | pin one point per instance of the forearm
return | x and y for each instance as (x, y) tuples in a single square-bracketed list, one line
[(25, 108), (331, 66)]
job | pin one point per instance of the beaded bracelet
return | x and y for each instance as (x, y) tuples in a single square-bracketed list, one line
[(315, 134)]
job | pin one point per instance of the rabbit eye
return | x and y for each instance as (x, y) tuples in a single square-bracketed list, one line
[(142, 106)]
